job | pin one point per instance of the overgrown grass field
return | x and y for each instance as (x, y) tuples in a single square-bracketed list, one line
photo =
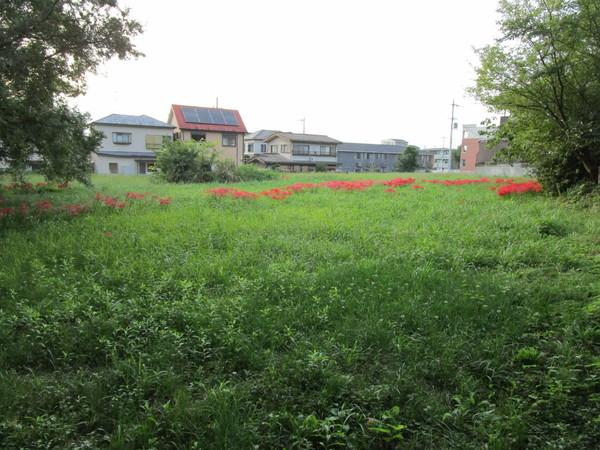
[(445, 317)]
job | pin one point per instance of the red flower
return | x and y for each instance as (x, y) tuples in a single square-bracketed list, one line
[(390, 190), (63, 185), (6, 212), (108, 234), (99, 196), (417, 186), (120, 205), (165, 201), (43, 205), (519, 188), (74, 209), (135, 196), (399, 182)]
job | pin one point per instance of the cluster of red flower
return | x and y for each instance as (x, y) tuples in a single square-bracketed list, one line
[(399, 182), (42, 206), (113, 202), (283, 193), (360, 185), (519, 188), (29, 187)]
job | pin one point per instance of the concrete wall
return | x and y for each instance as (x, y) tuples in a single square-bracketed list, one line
[(127, 166), (504, 170), (347, 162), (138, 137)]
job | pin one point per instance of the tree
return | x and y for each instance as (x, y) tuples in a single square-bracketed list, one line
[(46, 49), (408, 160), (545, 71)]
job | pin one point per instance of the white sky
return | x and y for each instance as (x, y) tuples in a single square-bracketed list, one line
[(359, 71)]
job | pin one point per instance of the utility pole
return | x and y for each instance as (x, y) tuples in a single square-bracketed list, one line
[(217, 103), (452, 124), (303, 120)]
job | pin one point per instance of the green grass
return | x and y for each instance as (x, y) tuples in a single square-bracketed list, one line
[(446, 317)]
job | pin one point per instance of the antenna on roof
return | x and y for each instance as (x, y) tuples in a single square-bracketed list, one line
[(303, 120), (217, 103)]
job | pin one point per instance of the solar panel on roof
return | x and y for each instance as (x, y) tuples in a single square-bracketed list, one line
[(229, 118), (189, 114), (203, 116), (210, 116), (216, 117)]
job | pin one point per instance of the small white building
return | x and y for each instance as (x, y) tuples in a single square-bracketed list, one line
[(129, 143)]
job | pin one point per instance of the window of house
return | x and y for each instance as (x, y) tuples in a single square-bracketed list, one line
[(113, 167), (464, 148), (300, 149), (357, 156), (229, 140), (177, 136), (197, 136), (263, 148), (250, 148), (274, 148), (154, 142), (121, 138), (284, 148), (325, 149)]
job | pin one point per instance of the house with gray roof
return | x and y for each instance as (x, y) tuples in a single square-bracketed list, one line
[(128, 143), (357, 157), (254, 143), (297, 152)]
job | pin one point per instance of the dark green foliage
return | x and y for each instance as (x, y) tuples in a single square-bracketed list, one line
[(197, 162), (357, 320), (408, 160), (545, 71), (187, 162), (46, 49), (249, 172)]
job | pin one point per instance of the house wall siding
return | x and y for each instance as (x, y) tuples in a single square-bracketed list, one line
[(127, 166), (347, 162), (138, 137)]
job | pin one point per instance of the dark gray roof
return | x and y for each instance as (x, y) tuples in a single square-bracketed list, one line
[(311, 138), (127, 154), (270, 158), (132, 121), (261, 135), (369, 148)]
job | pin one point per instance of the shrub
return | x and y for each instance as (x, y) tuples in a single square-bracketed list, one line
[(320, 167), (225, 171), (186, 161), (249, 172)]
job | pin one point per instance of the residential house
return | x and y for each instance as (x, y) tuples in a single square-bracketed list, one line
[(442, 159), (129, 143), (223, 127), (296, 152), (355, 157), (255, 142), (473, 149)]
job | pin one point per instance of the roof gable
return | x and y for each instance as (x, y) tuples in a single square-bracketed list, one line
[(308, 138), (208, 119)]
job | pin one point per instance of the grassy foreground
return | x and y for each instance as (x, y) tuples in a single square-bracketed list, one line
[(444, 317)]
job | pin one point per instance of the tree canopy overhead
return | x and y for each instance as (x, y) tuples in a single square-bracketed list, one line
[(545, 72), (46, 49)]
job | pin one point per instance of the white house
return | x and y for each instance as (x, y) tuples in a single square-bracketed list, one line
[(254, 143), (129, 143), (296, 152)]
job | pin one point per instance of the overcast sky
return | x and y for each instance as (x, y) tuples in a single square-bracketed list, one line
[(358, 71)]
